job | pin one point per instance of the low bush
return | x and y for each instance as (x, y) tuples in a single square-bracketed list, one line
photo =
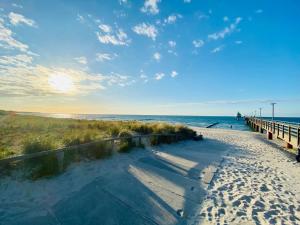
[(126, 143), (43, 165), (97, 150)]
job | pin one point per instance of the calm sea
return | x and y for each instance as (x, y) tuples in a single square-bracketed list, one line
[(225, 122)]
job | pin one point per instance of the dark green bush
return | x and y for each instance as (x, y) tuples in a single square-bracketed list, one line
[(126, 143), (43, 165), (162, 139), (98, 150)]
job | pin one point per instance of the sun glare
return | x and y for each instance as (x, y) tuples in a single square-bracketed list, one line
[(61, 83)]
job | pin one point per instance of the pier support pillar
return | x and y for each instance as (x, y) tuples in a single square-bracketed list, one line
[(261, 130), (270, 135), (257, 128), (298, 156), (289, 146)]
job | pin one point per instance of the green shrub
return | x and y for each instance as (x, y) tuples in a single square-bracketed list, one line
[(69, 141), (41, 166), (4, 153), (126, 143), (184, 133), (98, 150), (162, 139)]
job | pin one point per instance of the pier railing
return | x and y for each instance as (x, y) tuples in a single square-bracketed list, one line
[(290, 133)]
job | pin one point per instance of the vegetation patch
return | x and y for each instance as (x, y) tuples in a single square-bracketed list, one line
[(22, 134)]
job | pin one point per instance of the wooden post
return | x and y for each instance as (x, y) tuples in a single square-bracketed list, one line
[(298, 137), (290, 134), (282, 131), (270, 135), (288, 145), (60, 160), (298, 156)]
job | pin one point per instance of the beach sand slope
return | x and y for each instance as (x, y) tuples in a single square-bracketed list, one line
[(257, 183)]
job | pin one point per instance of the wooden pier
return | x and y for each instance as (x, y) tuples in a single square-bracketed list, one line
[(212, 125), (289, 133)]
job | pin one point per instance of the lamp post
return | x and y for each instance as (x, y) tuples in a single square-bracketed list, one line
[(261, 129), (273, 109), (260, 112)]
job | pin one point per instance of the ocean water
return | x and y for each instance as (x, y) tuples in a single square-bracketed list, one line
[(224, 122)]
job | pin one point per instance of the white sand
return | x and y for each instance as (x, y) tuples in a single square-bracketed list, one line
[(253, 183), (257, 183)]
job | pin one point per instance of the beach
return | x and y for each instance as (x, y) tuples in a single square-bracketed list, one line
[(257, 183), (231, 177)]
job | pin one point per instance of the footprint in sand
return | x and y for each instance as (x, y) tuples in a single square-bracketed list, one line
[(264, 188)]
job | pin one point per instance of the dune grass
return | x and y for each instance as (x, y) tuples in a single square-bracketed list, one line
[(22, 134), (19, 133)]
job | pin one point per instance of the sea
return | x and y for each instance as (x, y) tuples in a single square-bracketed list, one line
[(224, 122)]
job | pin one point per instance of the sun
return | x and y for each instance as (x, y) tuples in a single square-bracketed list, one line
[(61, 83)]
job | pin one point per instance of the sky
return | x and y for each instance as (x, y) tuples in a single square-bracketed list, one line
[(162, 57)]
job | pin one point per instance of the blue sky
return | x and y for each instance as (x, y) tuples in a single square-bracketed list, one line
[(150, 56)]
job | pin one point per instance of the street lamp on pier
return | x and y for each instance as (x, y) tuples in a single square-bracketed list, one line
[(273, 109)]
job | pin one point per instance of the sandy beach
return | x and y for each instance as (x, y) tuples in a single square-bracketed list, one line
[(231, 177), (257, 183)]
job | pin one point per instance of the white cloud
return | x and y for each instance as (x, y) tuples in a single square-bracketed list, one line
[(7, 40), (17, 19), (80, 18), (35, 80), (198, 43), (238, 42), (17, 60), (105, 28), (172, 18), (109, 36), (187, 1), (144, 77), (20, 77), (17, 5), (105, 57), (201, 16), (146, 30), (159, 76), (225, 18), (174, 73), (172, 44), (217, 49), (123, 2), (151, 7), (172, 52), (258, 11), (228, 30), (157, 56), (120, 80), (81, 60)]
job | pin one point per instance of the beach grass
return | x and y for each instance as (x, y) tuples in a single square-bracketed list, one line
[(24, 134)]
